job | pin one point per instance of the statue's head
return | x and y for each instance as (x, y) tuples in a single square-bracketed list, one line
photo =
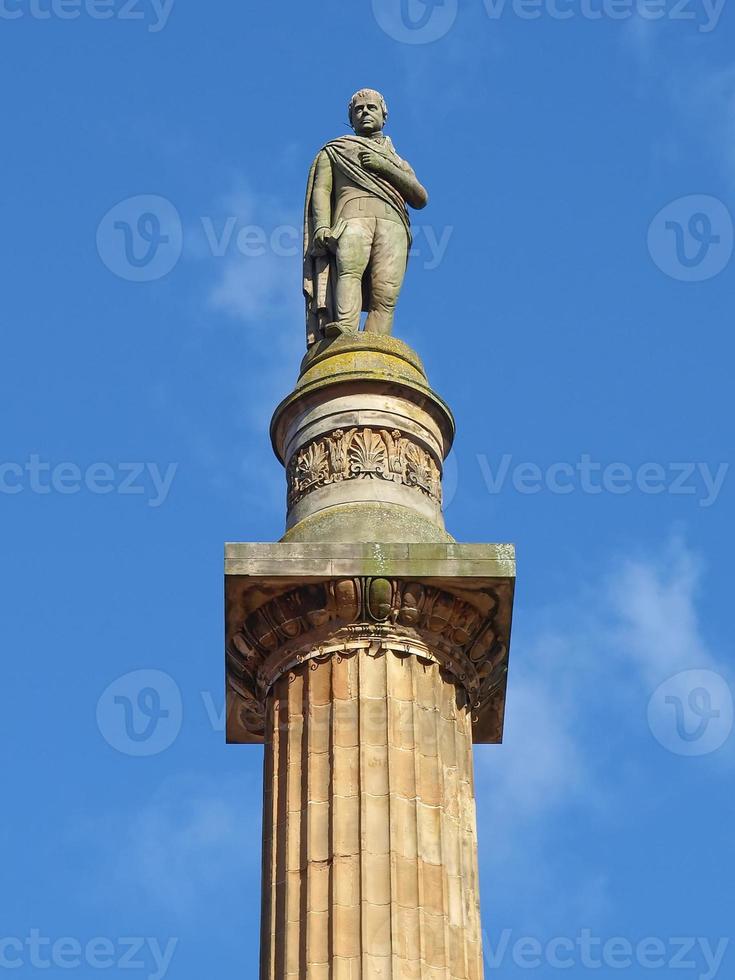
[(367, 111)]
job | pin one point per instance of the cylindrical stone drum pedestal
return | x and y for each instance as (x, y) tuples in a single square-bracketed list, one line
[(370, 842), (363, 439)]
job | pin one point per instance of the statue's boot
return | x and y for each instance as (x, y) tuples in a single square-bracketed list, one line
[(337, 329)]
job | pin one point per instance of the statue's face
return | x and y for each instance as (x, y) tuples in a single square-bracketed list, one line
[(367, 116)]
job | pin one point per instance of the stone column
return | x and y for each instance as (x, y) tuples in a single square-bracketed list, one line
[(367, 651), (370, 844)]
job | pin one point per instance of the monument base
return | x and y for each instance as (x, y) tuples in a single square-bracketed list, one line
[(368, 670), (363, 438)]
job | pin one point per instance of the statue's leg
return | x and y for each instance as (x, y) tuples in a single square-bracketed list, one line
[(353, 255), (387, 269)]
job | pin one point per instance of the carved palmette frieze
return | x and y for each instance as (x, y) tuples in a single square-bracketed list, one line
[(362, 453), (339, 617)]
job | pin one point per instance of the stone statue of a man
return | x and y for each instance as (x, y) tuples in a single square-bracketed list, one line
[(356, 226)]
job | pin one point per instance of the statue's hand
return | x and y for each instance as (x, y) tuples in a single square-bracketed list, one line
[(320, 239), (372, 161)]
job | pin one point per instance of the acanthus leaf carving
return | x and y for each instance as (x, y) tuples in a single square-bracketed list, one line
[(362, 453), (368, 454)]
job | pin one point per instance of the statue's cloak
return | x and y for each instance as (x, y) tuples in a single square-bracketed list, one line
[(319, 265)]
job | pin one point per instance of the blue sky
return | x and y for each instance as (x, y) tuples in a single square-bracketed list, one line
[(571, 297)]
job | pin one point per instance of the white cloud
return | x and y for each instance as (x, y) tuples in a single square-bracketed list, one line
[(540, 762), (652, 602), (617, 638), (706, 96), (702, 94), (579, 683), (191, 841), (638, 34), (248, 288), (254, 242), (245, 248)]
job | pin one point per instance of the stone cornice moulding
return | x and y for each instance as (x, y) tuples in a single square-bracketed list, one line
[(450, 604)]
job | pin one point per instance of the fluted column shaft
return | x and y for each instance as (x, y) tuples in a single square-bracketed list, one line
[(370, 841)]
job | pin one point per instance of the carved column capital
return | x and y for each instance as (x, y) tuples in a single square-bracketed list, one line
[(339, 617)]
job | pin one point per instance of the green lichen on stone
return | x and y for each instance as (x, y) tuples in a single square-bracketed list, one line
[(367, 522)]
